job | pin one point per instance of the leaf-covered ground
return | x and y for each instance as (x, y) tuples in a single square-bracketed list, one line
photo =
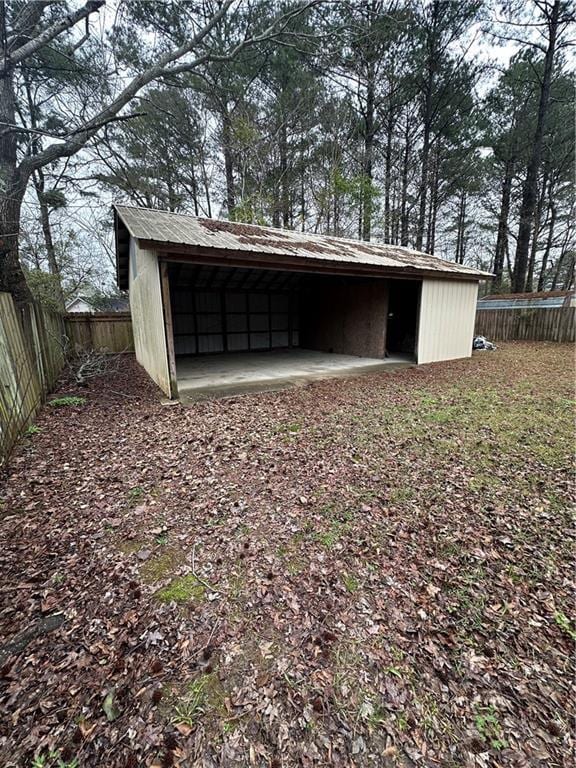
[(365, 572)]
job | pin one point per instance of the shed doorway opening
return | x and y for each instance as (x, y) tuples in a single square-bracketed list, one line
[(402, 324)]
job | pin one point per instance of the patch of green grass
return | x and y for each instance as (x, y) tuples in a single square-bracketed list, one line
[(288, 429), (183, 589), (33, 429), (398, 495), (189, 703), (392, 670), (489, 727), (441, 416), (402, 722), (128, 546), (161, 566), (52, 759), (136, 493), (65, 402), (470, 595), (350, 582), (189, 707), (330, 538), (372, 713), (293, 563), (565, 624)]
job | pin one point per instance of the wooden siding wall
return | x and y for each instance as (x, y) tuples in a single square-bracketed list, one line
[(447, 314), (32, 345), (527, 324), (148, 315), (345, 318), (103, 333)]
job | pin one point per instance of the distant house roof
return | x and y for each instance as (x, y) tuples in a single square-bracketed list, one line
[(163, 231), (548, 299), (115, 304), (106, 304)]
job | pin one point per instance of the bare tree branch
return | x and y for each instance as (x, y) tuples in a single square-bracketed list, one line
[(163, 67), (49, 34)]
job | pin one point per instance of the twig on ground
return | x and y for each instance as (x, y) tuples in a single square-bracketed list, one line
[(199, 578)]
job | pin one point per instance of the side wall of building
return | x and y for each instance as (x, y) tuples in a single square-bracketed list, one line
[(147, 315), (348, 318), (447, 316)]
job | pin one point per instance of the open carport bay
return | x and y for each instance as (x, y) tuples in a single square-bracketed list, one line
[(242, 329)]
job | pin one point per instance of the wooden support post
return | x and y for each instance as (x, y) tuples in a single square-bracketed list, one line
[(169, 328)]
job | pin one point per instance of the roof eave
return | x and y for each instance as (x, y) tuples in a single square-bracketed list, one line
[(254, 259)]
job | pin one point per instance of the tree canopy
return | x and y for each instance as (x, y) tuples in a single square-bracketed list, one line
[(439, 125)]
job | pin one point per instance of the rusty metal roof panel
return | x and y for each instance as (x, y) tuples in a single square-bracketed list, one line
[(185, 230)]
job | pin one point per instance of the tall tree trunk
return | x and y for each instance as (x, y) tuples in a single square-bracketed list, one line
[(228, 161), (508, 261), (431, 231), (502, 238), (560, 263), (461, 226), (302, 190), (427, 120), (536, 233), (284, 181), (404, 187), (12, 188), (194, 190), (549, 241), (530, 187), (394, 213), (569, 280), (206, 185), (423, 188), (369, 133), (53, 266), (388, 178)]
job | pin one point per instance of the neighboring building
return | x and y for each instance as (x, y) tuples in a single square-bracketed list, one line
[(541, 300), (79, 304), (203, 286), (86, 305)]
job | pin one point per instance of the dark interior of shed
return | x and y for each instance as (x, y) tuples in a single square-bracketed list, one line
[(403, 311), (217, 309)]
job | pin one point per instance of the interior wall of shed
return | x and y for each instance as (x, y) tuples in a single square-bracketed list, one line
[(224, 309), (344, 315)]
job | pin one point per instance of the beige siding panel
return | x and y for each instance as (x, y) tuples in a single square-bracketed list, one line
[(148, 316), (447, 316)]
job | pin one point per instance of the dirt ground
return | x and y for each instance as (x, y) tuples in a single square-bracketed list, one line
[(367, 572)]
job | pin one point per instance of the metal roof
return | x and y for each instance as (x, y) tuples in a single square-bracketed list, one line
[(543, 299), (166, 228)]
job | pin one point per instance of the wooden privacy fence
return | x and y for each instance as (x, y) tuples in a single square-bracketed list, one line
[(527, 324), (32, 346), (103, 333)]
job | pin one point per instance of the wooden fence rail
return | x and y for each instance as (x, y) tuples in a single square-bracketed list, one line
[(103, 333), (527, 324), (32, 345)]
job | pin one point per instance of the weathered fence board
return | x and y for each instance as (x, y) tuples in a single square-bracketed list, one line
[(527, 324), (103, 333), (32, 349)]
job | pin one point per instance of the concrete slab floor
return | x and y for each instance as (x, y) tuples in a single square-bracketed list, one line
[(222, 375)]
